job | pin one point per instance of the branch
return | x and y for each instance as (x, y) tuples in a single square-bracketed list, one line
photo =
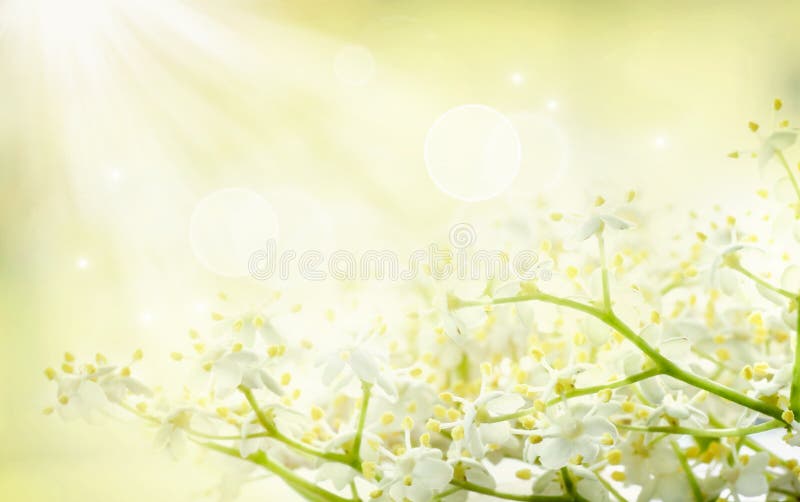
[(696, 492), (667, 366), (707, 433), (299, 484), (580, 392), (366, 389), (466, 485)]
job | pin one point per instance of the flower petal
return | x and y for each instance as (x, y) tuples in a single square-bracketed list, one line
[(751, 483), (589, 228), (435, 474), (614, 222), (227, 376), (505, 404), (555, 452), (597, 426), (364, 365)]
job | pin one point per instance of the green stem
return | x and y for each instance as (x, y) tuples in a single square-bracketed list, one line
[(568, 486), (666, 365), (613, 491), (782, 159), (265, 422), (446, 493), (302, 486), (696, 492), (601, 244), (308, 450), (720, 365), (758, 280), (749, 442), (794, 495), (674, 284), (366, 389), (708, 433), (721, 390), (274, 433), (794, 393), (466, 485), (644, 375), (580, 392), (463, 367), (794, 397)]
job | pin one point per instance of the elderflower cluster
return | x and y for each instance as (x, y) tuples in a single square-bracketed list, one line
[(645, 368)]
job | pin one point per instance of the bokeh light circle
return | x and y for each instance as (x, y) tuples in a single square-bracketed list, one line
[(354, 65), (472, 152), (228, 226), (545, 152)]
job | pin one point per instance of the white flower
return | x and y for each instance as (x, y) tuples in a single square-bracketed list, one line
[(644, 461), (559, 381), (370, 444), (91, 391), (171, 435), (586, 482), (337, 473), (254, 326), (677, 408), (80, 396), (588, 485), (721, 275), (230, 367), (415, 399), (777, 381), (775, 142), (447, 321), (472, 471), (286, 420), (577, 431), (670, 486), (793, 437), (597, 222), (233, 477), (363, 363), (417, 475), (602, 215), (746, 479), (450, 328), (117, 387), (477, 436), (787, 482), (242, 368)]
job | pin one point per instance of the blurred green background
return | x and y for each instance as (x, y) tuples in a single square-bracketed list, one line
[(119, 115)]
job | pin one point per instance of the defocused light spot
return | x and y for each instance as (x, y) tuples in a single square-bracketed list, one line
[(305, 223), (354, 65), (472, 152), (545, 152), (115, 175), (517, 79), (82, 263), (145, 318), (228, 226), (660, 142), (552, 105)]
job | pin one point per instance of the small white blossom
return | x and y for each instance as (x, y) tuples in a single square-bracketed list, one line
[(577, 430), (363, 363), (478, 435), (417, 475)]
